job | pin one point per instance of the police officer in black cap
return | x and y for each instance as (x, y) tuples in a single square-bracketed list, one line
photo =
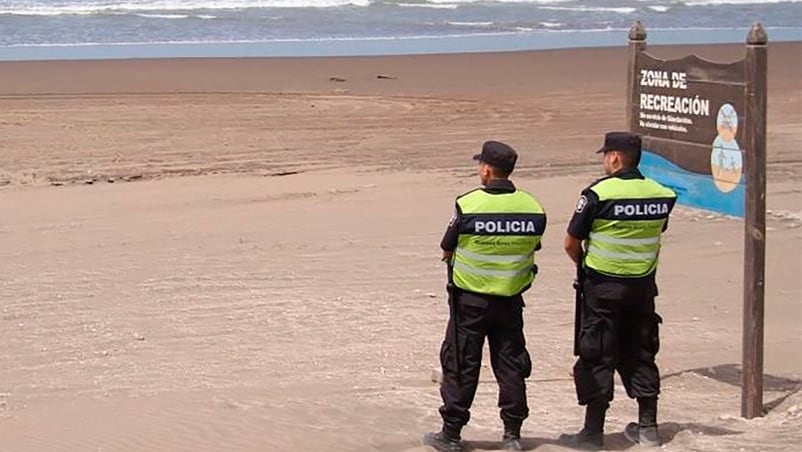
[(489, 246), (620, 219)]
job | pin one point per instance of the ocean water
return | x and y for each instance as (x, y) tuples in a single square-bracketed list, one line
[(37, 29)]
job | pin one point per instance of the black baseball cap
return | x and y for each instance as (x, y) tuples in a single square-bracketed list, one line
[(498, 155), (622, 142)]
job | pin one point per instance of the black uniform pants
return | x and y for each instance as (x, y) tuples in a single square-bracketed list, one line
[(500, 319), (619, 332)]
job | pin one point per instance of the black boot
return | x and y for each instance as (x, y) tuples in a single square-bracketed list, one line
[(512, 436), (645, 431), (591, 437), (446, 440)]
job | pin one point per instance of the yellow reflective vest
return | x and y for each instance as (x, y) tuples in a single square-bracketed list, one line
[(624, 239), (498, 234)]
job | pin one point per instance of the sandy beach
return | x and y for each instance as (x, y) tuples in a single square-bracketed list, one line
[(243, 254)]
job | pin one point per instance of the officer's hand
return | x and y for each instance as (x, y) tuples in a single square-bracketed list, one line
[(447, 256)]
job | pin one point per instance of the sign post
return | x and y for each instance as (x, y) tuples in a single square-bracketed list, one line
[(755, 224), (703, 126)]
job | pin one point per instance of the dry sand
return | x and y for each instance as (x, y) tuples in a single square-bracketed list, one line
[(287, 295)]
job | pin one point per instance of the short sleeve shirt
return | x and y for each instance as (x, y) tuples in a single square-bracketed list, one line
[(451, 236)]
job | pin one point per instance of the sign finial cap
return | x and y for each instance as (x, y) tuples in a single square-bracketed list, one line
[(757, 35), (637, 32)]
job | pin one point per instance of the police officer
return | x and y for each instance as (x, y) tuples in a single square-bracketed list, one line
[(489, 245), (620, 218)]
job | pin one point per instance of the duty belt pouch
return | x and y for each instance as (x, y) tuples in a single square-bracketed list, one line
[(525, 364), (591, 340)]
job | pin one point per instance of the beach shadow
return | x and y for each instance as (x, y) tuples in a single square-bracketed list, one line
[(615, 441), (529, 443), (731, 374), (771, 405), (478, 446), (612, 441), (668, 430)]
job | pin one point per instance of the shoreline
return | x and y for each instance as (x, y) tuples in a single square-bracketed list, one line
[(386, 46), (448, 74)]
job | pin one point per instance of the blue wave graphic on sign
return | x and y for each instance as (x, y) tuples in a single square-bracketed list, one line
[(692, 189)]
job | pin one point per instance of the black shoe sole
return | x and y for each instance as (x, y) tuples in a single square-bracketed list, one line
[(430, 439), (632, 433), (573, 442)]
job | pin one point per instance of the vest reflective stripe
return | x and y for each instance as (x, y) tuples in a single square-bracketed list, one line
[(619, 241), (623, 256), (497, 240), (510, 259), (494, 273), (625, 236)]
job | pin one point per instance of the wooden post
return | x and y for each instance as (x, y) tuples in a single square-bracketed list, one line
[(637, 43), (755, 222)]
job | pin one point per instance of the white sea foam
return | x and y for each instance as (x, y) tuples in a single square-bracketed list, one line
[(428, 5), (84, 7), (163, 16), (535, 2), (552, 24), (734, 2), (559, 16), (470, 24), (595, 9)]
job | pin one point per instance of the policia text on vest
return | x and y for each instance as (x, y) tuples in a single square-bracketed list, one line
[(641, 210), (505, 226)]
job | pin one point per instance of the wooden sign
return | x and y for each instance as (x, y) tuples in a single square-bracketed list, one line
[(691, 114), (703, 126)]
